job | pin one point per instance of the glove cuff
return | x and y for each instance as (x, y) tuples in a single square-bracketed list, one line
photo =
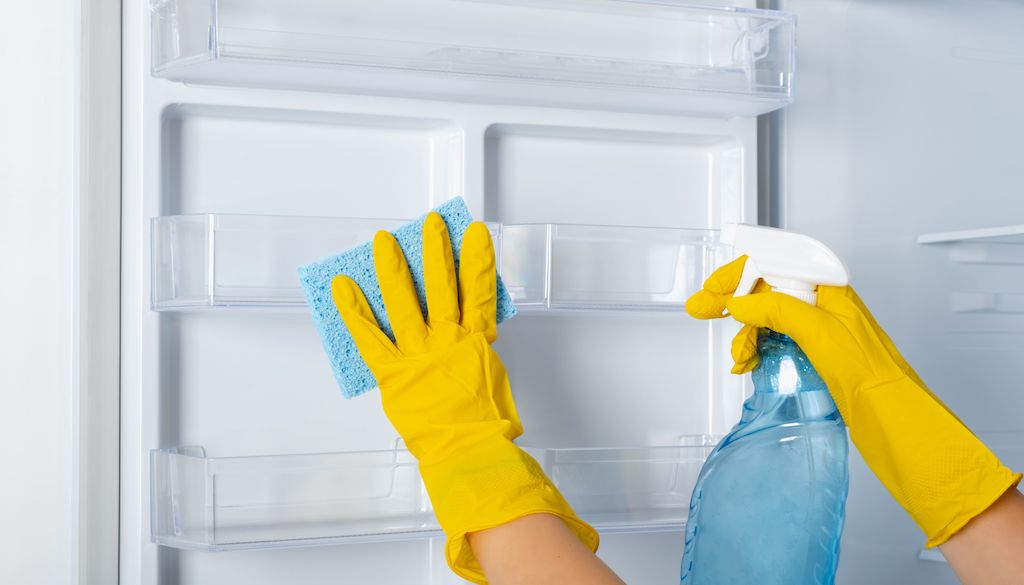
[(930, 462), (990, 488), (487, 485)]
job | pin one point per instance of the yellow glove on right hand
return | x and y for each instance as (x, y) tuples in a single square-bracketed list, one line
[(445, 390), (921, 452)]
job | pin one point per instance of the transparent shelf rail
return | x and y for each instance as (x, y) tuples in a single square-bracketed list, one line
[(223, 503), (223, 260), (1010, 234), (994, 245), (613, 54)]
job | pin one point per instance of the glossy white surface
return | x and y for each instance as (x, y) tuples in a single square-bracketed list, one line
[(37, 253), (59, 241)]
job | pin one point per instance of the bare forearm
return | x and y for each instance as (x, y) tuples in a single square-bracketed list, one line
[(538, 549), (989, 550)]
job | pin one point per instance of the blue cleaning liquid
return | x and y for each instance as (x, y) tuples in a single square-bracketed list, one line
[(768, 504)]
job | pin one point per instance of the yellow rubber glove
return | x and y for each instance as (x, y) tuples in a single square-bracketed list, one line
[(940, 473), (446, 391)]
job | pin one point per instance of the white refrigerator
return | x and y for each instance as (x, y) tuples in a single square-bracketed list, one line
[(605, 142)]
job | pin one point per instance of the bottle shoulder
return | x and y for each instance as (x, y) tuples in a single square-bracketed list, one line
[(770, 409), (774, 417), (781, 433), (751, 451)]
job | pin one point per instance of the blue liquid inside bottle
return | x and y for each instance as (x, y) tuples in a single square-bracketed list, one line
[(769, 502)]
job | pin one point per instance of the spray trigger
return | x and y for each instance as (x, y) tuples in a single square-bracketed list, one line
[(791, 263), (748, 280)]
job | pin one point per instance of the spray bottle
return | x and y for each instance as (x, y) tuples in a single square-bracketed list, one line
[(769, 502)]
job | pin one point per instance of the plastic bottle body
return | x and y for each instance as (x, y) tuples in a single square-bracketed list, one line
[(769, 502)]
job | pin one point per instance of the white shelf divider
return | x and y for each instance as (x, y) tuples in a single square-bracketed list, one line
[(987, 302), (1010, 234), (222, 260), (224, 503), (1001, 245), (641, 55)]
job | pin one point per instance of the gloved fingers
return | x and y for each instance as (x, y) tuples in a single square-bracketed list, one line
[(439, 272), (744, 346), (400, 300), (782, 313), (744, 350), (373, 344), (709, 302), (478, 288)]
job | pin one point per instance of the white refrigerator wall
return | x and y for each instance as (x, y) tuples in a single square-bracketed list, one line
[(255, 382), (37, 256), (908, 122), (59, 249)]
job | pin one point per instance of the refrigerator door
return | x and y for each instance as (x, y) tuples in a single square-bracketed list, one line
[(908, 124), (605, 141)]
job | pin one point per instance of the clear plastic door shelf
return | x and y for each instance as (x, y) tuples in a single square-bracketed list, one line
[(639, 55), (223, 503), (219, 260)]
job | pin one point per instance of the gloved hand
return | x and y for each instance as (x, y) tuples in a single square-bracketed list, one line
[(923, 454), (446, 391)]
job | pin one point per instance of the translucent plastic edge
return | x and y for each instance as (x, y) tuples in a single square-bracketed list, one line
[(628, 234), (691, 450), (160, 9), (771, 96), (1000, 234)]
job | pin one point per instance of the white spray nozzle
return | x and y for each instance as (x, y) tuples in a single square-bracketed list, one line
[(789, 262)]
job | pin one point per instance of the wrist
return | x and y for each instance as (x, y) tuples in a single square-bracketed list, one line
[(488, 484)]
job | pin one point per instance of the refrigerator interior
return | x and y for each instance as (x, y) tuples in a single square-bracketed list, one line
[(262, 135), (902, 152), (267, 125)]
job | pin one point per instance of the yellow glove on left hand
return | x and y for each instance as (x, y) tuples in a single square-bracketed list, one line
[(446, 391)]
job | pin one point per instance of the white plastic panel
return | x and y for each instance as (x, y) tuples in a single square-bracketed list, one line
[(223, 503), (574, 174), (615, 54), (219, 158)]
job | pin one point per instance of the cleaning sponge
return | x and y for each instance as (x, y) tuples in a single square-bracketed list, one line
[(350, 370)]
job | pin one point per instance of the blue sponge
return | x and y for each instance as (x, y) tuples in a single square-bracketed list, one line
[(349, 368)]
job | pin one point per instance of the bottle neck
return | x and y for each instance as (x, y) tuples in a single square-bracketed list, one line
[(783, 367)]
